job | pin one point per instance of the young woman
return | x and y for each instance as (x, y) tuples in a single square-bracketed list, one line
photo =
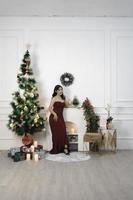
[(57, 123)]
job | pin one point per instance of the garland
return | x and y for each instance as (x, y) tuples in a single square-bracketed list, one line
[(67, 79)]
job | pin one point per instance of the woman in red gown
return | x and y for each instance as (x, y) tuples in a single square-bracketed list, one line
[(57, 123)]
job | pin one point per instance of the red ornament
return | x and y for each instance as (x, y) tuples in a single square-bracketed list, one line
[(27, 139)]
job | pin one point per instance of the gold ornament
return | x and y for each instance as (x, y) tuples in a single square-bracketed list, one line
[(25, 108)]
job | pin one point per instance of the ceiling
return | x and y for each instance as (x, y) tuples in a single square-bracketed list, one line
[(67, 8)]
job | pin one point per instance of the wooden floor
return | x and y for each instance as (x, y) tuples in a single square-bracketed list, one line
[(106, 176)]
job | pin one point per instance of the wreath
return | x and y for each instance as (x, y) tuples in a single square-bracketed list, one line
[(67, 79)]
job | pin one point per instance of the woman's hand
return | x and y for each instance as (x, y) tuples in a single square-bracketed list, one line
[(55, 117)]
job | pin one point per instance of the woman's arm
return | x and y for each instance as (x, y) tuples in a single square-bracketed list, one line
[(51, 109)]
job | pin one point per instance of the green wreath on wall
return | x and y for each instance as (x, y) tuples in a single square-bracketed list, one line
[(67, 79)]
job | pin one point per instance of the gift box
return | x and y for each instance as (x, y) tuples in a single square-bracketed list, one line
[(12, 151), (9, 153), (41, 154), (39, 147), (19, 156), (25, 149)]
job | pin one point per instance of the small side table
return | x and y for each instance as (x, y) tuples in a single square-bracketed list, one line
[(94, 138), (109, 139)]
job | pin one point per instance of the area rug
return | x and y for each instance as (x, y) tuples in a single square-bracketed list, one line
[(73, 157)]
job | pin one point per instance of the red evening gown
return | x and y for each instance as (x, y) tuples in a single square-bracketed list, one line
[(58, 129)]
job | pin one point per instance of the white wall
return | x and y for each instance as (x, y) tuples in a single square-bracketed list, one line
[(97, 51)]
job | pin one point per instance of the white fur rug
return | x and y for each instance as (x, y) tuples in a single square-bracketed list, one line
[(73, 157)]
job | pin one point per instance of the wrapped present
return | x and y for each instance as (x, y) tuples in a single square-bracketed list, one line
[(12, 151), (41, 154), (39, 147), (19, 156), (25, 149), (9, 153)]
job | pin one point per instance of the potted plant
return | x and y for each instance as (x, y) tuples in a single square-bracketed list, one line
[(92, 121), (109, 118)]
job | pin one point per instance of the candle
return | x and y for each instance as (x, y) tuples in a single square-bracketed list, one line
[(72, 130), (32, 148), (36, 157), (35, 144), (28, 156)]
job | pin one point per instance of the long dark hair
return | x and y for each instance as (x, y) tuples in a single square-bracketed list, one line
[(55, 91)]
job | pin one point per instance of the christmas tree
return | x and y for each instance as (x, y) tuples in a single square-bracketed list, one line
[(92, 120), (25, 117)]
